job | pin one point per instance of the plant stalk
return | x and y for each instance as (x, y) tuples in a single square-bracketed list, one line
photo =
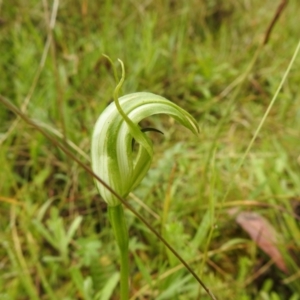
[(118, 223), (61, 146)]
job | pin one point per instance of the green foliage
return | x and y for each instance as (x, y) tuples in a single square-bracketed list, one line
[(55, 242)]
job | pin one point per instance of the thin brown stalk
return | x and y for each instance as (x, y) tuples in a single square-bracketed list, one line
[(277, 14), (72, 156), (37, 74)]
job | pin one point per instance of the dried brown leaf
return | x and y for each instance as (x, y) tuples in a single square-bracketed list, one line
[(263, 234)]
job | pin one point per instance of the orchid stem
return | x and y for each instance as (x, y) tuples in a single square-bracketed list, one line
[(117, 220)]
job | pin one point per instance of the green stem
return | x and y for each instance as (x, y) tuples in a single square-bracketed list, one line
[(117, 220)]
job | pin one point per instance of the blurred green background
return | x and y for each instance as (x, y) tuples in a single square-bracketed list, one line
[(206, 56)]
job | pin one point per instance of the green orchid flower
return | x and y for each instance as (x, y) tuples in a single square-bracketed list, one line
[(113, 158), (118, 165)]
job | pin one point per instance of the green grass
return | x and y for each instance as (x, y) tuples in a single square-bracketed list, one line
[(56, 242)]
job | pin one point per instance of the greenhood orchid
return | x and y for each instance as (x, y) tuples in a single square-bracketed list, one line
[(118, 165), (113, 158)]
